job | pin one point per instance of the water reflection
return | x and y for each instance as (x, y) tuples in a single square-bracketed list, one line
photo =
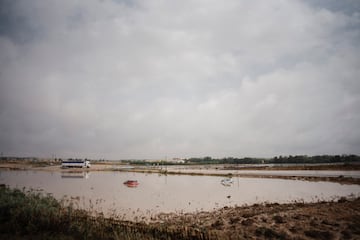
[(85, 175)]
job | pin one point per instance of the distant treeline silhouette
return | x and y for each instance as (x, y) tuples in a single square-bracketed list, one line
[(277, 159), (344, 158)]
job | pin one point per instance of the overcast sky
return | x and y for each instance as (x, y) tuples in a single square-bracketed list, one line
[(154, 78)]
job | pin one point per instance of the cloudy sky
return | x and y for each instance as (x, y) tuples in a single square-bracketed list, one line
[(154, 78)]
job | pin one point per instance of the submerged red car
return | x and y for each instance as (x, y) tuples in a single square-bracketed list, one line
[(131, 183)]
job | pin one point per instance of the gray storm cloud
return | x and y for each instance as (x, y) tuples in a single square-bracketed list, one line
[(149, 79)]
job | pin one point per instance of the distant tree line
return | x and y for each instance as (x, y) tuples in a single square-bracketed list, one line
[(277, 159), (249, 160), (229, 160), (316, 159)]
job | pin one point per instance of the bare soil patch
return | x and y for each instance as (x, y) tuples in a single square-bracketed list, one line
[(323, 220)]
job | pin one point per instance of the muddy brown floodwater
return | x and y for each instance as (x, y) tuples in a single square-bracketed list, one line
[(155, 193)]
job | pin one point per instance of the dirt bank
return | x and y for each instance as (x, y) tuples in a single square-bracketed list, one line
[(325, 220)]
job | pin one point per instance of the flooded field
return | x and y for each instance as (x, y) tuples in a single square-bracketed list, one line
[(105, 191), (298, 173)]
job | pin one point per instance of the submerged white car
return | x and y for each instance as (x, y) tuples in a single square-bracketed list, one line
[(227, 181)]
